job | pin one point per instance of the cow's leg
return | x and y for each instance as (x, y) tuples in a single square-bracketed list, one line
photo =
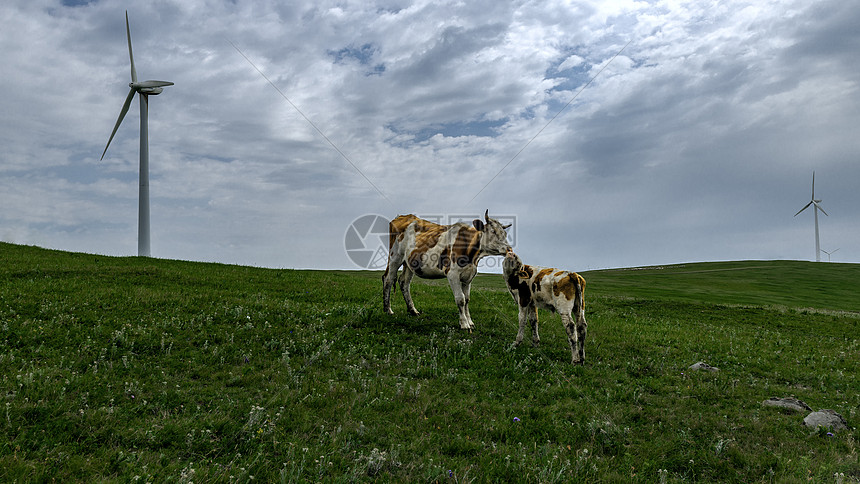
[(405, 282), (533, 319), (467, 292), (389, 278), (459, 298), (396, 258), (581, 330), (572, 338)]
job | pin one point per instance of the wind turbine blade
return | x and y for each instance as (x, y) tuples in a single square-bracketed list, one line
[(813, 185), (119, 120), (147, 84), (822, 210), (130, 55), (802, 209)]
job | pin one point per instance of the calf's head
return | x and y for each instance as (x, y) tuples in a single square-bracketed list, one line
[(512, 264), (495, 238)]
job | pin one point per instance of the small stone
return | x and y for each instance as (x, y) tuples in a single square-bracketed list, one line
[(825, 418), (704, 367), (789, 403)]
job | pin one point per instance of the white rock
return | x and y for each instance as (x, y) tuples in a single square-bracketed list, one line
[(825, 418), (704, 367), (790, 403)]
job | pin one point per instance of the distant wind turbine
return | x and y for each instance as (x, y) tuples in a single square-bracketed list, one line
[(816, 209), (829, 253), (144, 89)]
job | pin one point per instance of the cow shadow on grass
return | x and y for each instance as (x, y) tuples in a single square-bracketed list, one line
[(442, 319), (493, 336), (428, 321)]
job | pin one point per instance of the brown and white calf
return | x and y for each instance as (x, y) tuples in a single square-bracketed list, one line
[(434, 251), (559, 291)]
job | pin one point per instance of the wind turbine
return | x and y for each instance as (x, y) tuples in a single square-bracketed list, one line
[(144, 89), (829, 253), (816, 209)]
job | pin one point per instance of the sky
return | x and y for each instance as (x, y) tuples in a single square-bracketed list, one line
[(612, 133)]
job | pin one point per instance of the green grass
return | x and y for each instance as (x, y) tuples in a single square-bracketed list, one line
[(145, 370)]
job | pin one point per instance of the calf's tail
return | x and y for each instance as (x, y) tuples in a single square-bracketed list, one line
[(579, 303)]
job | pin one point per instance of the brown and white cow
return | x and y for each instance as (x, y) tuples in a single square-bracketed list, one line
[(559, 291), (434, 251)]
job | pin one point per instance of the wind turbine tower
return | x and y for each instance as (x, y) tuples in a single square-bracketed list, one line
[(816, 208), (144, 89)]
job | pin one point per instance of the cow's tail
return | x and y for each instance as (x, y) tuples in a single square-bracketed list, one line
[(393, 232), (399, 242), (409, 235)]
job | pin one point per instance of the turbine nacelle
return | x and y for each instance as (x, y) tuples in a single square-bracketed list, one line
[(817, 207), (149, 87)]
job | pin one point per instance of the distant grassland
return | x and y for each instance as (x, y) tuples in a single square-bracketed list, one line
[(146, 370)]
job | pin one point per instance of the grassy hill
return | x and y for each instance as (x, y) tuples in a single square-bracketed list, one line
[(772, 284), (129, 369)]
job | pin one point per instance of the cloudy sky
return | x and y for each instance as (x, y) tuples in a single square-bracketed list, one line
[(696, 143)]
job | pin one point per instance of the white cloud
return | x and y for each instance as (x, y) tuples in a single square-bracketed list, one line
[(697, 142)]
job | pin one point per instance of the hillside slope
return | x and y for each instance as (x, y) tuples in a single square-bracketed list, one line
[(791, 284), (133, 369), (786, 284)]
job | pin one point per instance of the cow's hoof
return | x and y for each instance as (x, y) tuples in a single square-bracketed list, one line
[(389, 311), (413, 312)]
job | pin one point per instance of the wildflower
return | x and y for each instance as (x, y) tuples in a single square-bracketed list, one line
[(516, 419), (450, 473)]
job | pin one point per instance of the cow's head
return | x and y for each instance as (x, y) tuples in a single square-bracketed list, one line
[(495, 239)]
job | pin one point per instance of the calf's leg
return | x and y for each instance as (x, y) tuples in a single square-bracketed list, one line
[(533, 318), (523, 316), (572, 338), (527, 314), (581, 330)]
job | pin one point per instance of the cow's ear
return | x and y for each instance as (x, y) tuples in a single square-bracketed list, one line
[(478, 224)]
